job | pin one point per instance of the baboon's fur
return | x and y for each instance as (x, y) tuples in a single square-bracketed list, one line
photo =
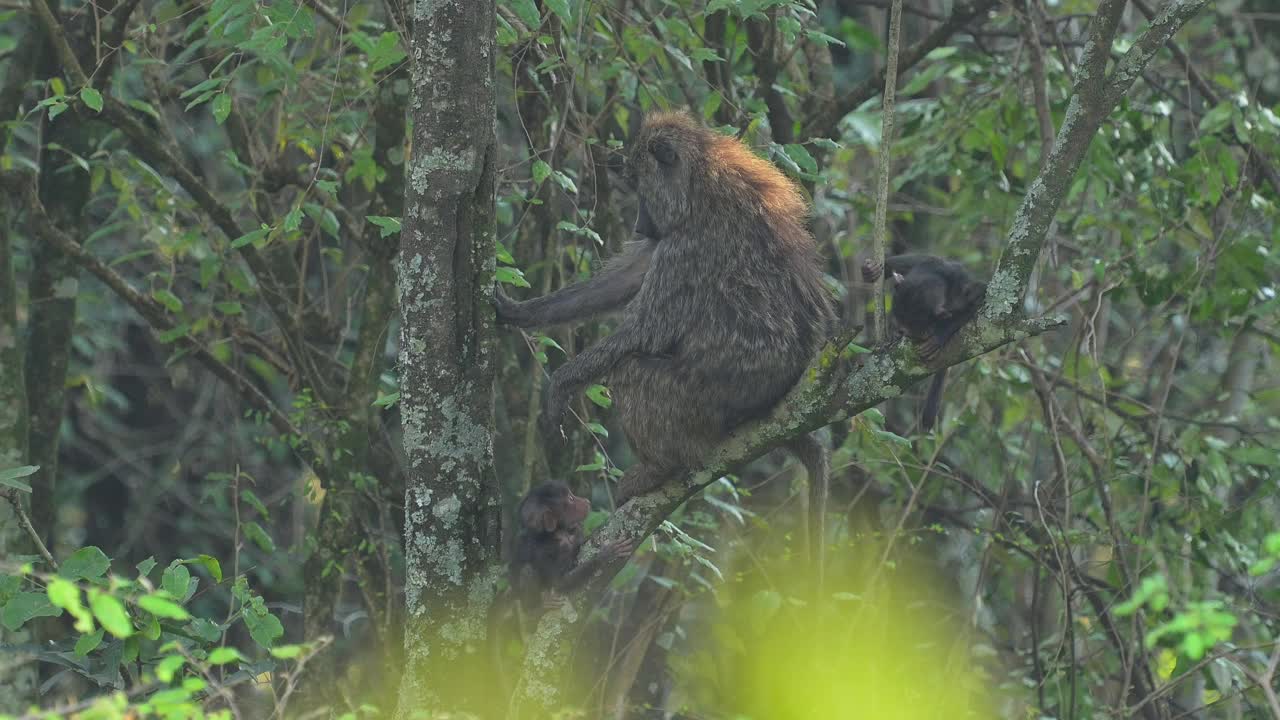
[(724, 302)]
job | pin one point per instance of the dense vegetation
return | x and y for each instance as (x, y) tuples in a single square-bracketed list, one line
[(260, 449)]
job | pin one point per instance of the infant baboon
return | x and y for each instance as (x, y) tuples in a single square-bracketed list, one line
[(932, 299), (546, 557), (724, 303)]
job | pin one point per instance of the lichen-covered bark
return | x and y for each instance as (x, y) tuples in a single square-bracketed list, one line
[(445, 268), (17, 679)]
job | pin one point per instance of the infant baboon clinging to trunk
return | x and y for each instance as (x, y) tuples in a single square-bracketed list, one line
[(724, 303)]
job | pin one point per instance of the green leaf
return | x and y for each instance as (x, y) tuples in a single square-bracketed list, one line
[(259, 537), (25, 606), (167, 669), (224, 655), (287, 652), (88, 643), (565, 182), (146, 566), (250, 237), (386, 52), (527, 11), (162, 606), (176, 580), (87, 563), (390, 225), (110, 612), (323, 217), (9, 477), (209, 563), (92, 98), (386, 401), (253, 501), (221, 108), (503, 255), (541, 171), (599, 395), (511, 276), (1217, 118), (800, 154), (293, 220), (206, 629), (65, 594), (167, 299), (264, 627), (561, 8), (57, 109)]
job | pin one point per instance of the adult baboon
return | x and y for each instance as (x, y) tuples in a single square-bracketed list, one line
[(724, 302)]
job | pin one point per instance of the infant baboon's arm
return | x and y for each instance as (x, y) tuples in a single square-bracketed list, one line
[(608, 290), (899, 264)]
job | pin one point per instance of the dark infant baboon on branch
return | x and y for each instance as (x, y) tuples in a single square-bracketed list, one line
[(932, 299), (724, 303)]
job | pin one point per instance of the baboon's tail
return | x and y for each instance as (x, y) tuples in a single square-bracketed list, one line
[(811, 453), (933, 400)]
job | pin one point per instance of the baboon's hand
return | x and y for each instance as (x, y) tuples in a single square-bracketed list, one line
[(553, 414), (928, 349), (871, 270), (552, 601), (509, 312)]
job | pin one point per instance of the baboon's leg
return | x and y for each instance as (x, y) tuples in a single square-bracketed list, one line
[(640, 479), (588, 366)]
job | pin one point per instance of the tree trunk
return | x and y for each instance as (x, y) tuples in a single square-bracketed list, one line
[(17, 677), (446, 267)]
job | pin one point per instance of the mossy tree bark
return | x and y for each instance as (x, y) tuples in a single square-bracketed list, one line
[(446, 267)]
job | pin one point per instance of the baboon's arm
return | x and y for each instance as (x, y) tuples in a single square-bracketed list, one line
[(606, 291), (900, 264)]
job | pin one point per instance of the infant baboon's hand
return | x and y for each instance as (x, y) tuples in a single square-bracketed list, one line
[(619, 548), (871, 270)]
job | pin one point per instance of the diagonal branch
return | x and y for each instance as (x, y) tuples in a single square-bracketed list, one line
[(43, 228), (1095, 96), (151, 150)]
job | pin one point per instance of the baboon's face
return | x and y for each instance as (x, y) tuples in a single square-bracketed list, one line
[(660, 166)]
